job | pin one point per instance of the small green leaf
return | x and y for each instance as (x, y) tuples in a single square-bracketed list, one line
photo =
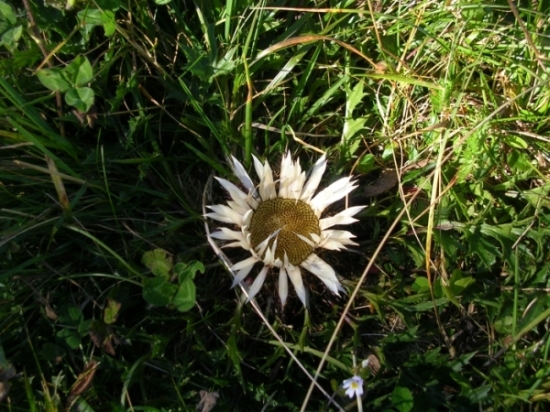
[(366, 163), (70, 337), (79, 72), (158, 291), (421, 285), (402, 399), (70, 315), (516, 142), (158, 262), (54, 79), (162, 2), (352, 127), (460, 285), (188, 271), (185, 296), (109, 22), (90, 17), (355, 97), (536, 308), (7, 13), (111, 311), (11, 36), (80, 97), (484, 249)]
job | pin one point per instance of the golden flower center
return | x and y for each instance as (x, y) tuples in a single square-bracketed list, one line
[(290, 217)]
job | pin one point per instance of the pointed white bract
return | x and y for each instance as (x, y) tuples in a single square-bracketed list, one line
[(331, 194), (342, 218), (283, 285), (314, 179), (258, 283), (291, 184), (240, 172), (336, 239), (296, 278), (323, 271)]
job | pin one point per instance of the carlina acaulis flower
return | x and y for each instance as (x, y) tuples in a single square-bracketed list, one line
[(283, 228)]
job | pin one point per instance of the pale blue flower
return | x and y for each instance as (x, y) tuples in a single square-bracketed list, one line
[(353, 386)]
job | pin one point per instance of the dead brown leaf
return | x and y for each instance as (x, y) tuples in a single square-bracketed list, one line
[(83, 382), (102, 336), (387, 180)]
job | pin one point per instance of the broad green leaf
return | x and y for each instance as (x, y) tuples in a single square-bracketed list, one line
[(54, 79), (111, 311), (80, 97), (185, 296), (402, 399), (158, 291), (158, 262)]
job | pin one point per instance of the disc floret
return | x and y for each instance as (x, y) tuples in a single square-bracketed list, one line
[(293, 220)]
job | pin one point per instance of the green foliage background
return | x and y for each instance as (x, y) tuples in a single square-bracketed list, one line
[(113, 116)]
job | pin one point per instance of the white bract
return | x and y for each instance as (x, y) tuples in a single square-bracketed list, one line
[(282, 228)]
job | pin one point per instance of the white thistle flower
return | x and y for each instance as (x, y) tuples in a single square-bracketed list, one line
[(283, 228), (353, 386)]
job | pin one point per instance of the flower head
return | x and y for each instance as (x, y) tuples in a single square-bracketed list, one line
[(282, 228), (353, 386)]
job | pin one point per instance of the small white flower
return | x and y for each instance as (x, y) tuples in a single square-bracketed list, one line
[(353, 386), (283, 228)]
